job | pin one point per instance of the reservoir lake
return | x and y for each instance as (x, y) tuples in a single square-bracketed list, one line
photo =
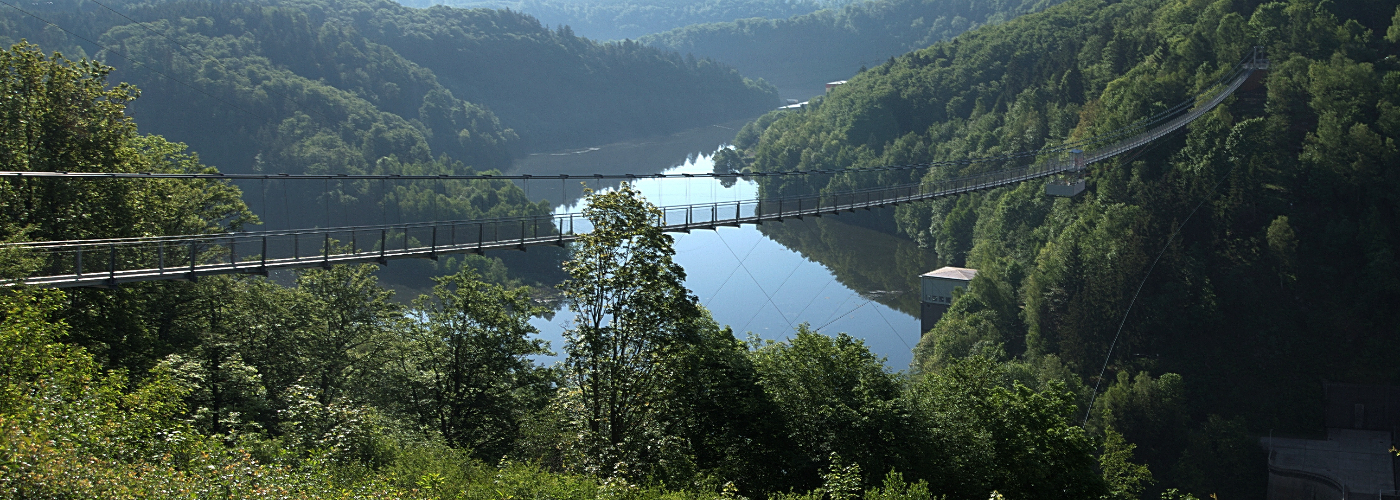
[(759, 280)]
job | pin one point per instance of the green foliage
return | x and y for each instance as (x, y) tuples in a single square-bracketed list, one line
[(982, 320), (1175, 494), (1125, 479), (1145, 410), (348, 311), (1251, 210), (1392, 34), (729, 423), (896, 488), (624, 19), (836, 399), (339, 432), (633, 315), (995, 434), (60, 115), (329, 388), (841, 482), (554, 88), (477, 382), (800, 52), (223, 390), (1223, 458), (69, 429), (318, 85), (959, 336)]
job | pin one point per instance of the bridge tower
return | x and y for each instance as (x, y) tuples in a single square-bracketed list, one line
[(936, 293), (1073, 183)]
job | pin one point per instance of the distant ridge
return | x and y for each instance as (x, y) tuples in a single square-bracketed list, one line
[(799, 54)]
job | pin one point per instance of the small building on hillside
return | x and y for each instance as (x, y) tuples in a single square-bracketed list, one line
[(832, 85), (936, 293), (1356, 461)]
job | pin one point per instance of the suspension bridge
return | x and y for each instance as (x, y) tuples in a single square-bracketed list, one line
[(109, 262)]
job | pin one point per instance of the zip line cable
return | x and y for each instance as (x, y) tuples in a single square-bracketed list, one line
[(398, 202), (734, 271), (286, 208), (784, 282), (326, 195), (817, 296), (838, 307), (843, 316), (133, 61), (943, 188), (894, 330), (1141, 284), (340, 197), (755, 281), (765, 294)]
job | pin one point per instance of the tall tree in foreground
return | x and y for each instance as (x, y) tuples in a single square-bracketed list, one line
[(477, 380), (633, 316), (62, 115)]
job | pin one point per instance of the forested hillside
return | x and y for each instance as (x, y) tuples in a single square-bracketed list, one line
[(624, 19), (557, 89), (1264, 232), (1247, 259), (375, 87), (338, 85), (799, 54), (322, 385)]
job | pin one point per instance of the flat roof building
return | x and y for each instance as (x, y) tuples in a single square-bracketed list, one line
[(936, 293)]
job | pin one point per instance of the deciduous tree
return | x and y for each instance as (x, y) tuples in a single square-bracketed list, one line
[(633, 315), (476, 379)]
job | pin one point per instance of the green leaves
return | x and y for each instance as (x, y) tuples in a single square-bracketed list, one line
[(633, 316), (991, 435), (836, 398), (476, 381), (60, 115), (1125, 479)]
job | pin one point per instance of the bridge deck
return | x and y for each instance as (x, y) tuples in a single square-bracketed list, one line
[(115, 261)]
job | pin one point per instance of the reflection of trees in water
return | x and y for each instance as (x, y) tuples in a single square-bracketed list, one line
[(727, 160), (877, 265), (652, 155)]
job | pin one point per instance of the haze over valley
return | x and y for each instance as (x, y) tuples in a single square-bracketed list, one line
[(888, 249)]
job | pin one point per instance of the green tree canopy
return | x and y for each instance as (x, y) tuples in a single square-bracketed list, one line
[(61, 115), (633, 316)]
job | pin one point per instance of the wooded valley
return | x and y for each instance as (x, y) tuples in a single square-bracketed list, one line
[(1134, 341)]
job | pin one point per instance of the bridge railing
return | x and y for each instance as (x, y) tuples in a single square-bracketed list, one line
[(118, 260), (106, 262), (112, 261)]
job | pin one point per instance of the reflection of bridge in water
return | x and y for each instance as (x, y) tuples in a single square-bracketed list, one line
[(109, 262)]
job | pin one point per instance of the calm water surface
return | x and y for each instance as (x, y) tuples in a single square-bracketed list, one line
[(746, 279)]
